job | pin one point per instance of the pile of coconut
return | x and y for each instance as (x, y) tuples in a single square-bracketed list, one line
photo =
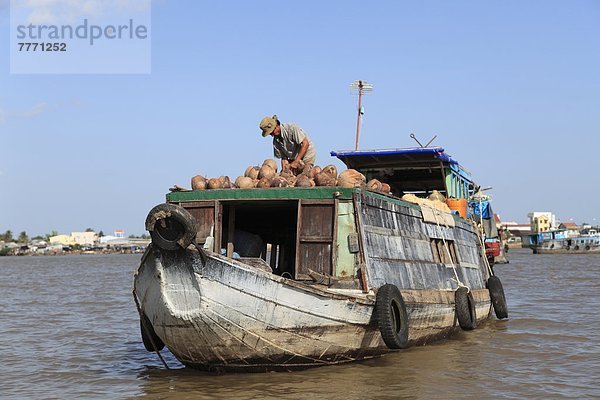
[(267, 176)]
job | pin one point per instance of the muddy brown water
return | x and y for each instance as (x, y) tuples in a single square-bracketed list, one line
[(69, 329)]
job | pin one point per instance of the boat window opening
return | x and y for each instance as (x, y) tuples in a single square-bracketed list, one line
[(444, 253), (420, 182), (261, 229)]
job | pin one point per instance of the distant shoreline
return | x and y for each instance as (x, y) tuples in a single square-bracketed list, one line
[(72, 253)]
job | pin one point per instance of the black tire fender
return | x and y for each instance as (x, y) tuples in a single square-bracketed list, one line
[(497, 296), (149, 336), (171, 227), (465, 308), (392, 318)]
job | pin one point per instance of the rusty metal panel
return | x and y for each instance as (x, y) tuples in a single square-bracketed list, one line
[(401, 249)]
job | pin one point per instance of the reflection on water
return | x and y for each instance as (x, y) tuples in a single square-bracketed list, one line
[(69, 329)]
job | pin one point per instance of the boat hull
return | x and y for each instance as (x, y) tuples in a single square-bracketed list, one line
[(579, 245), (216, 313), (543, 250)]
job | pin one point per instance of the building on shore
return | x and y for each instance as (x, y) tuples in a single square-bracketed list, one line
[(65, 240), (516, 233), (571, 229), (85, 238), (542, 221)]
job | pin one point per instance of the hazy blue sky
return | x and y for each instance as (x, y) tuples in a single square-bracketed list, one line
[(511, 88)]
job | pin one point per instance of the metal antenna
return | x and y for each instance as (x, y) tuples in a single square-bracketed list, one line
[(412, 135), (432, 139), (362, 87)]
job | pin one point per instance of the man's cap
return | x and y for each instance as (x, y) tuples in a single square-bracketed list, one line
[(268, 125)]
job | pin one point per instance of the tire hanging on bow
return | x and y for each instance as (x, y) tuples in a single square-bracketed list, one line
[(392, 318)]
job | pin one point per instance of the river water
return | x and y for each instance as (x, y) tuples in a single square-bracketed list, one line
[(69, 330)]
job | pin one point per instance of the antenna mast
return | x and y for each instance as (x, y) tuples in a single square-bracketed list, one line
[(361, 87)]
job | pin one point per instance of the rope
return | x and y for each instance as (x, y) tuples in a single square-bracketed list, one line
[(141, 314), (146, 329), (456, 278), (485, 259), (482, 236), (203, 256)]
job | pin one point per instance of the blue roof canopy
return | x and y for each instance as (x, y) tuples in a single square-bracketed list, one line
[(361, 159), (411, 170)]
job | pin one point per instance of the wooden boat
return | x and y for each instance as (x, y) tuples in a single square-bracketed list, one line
[(285, 278)]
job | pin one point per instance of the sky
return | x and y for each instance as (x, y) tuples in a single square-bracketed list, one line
[(510, 88)]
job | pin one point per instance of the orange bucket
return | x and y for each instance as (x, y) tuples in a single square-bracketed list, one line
[(459, 205)]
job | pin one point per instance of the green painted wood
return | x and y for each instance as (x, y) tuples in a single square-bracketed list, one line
[(279, 194), (271, 193), (346, 225)]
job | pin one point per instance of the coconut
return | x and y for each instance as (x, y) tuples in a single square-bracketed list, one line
[(252, 172), (266, 172), (244, 182), (306, 169), (225, 182), (314, 171), (292, 181), (303, 181), (325, 179), (271, 163), (300, 168), (214, 183), (374, 185), (331, 170), (286, 173), (351, 178), (199, 182), (264, 183), (250, 169), (279, 181)]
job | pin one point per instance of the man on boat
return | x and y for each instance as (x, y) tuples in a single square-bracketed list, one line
[(290, 143)]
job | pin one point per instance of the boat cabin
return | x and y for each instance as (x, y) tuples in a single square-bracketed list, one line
[(297, 232), (286, 230), (415, 170)]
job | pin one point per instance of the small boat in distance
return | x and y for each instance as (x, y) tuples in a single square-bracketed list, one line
[(290, 277), (558, 242)]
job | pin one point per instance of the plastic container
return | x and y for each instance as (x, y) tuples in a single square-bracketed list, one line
[(459, 205)]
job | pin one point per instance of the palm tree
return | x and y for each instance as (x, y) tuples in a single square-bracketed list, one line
[(23, 238), (7, 236), (49, 235)]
